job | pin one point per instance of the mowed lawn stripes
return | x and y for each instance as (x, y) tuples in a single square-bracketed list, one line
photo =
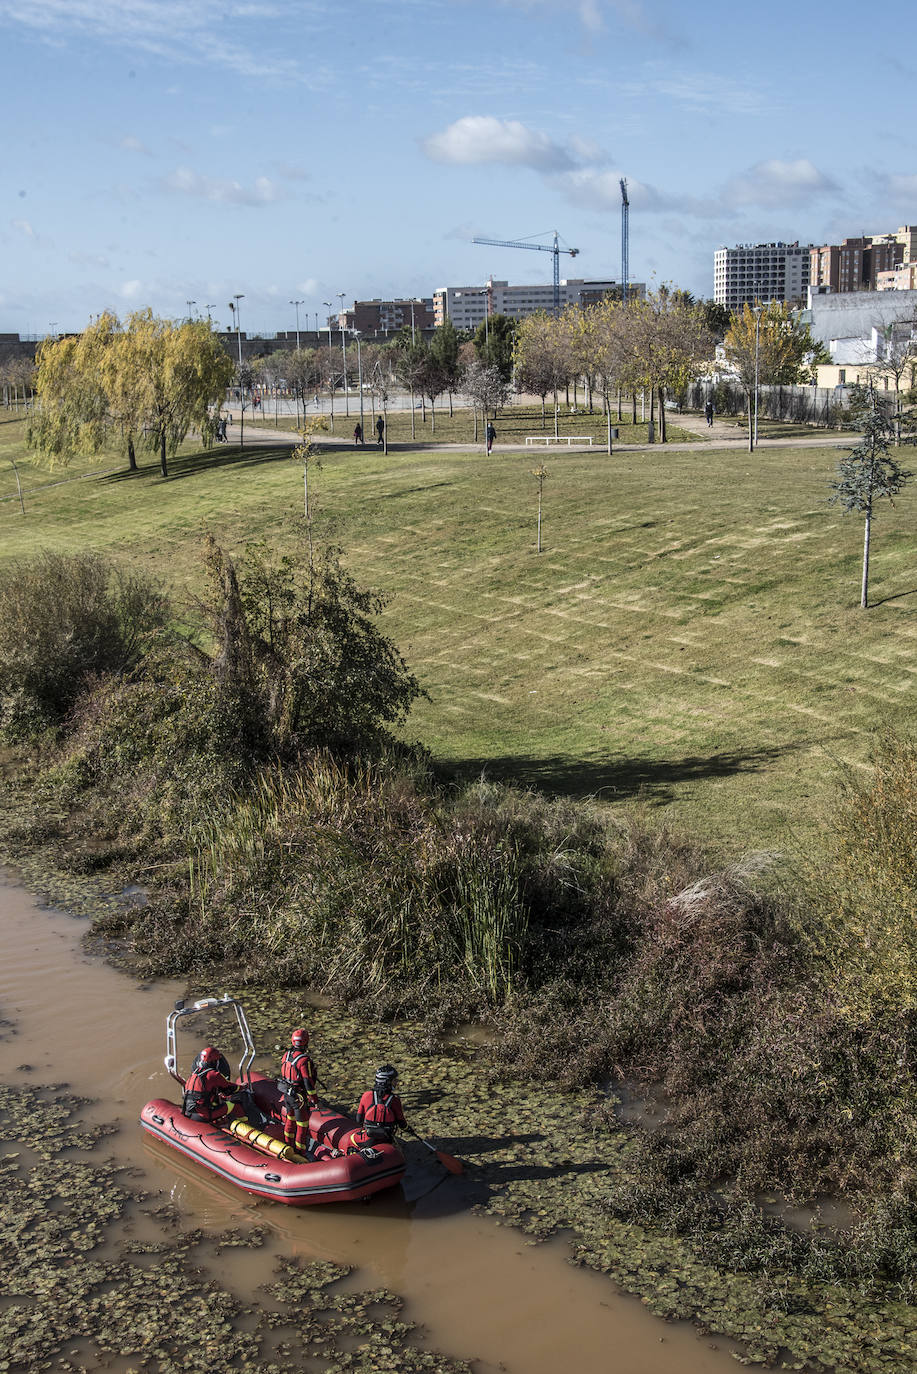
[(690, 634)]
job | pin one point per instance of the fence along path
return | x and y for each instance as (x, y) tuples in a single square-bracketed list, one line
[(813, 405)]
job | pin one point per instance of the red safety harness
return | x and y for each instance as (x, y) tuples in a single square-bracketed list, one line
[(203, 1098), (381, 1113), (297, 1080)]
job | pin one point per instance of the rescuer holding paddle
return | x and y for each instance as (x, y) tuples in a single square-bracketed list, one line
[(380, 1107), (380, 1113)]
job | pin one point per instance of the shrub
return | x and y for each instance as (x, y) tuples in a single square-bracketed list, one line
[(299, 657), (64, 620), (862, 896)]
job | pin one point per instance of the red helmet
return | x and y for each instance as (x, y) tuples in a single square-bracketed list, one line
[(300, 1039), (209, 1058)]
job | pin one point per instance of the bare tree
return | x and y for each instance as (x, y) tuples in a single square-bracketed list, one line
[(868, 472), (667, 342), (606, 332), (767, 346), (380, 386), (541, 360), (896, 360), (411, 362), (485, 387)]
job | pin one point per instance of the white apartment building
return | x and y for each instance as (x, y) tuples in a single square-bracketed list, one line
[(760, 271), (466, 306)]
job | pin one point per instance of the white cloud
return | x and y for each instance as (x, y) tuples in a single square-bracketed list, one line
[(777, 183), (309, 287), (209, 31), (22, 226), (476, 139), (187, 182), (580, 172), (599, 188), (902, 186), (593, 13), (130, 290)]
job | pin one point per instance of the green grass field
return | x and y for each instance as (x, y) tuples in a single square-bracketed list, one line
[(690, 635)]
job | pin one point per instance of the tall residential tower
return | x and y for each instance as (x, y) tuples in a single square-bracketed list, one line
[(760, 271)]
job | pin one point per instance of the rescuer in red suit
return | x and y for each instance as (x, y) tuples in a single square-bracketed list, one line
[(298, 1077), (380, 1107), (206, 1090)]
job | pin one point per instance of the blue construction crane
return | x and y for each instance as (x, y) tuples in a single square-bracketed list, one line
[(625, 240), (538, 248)]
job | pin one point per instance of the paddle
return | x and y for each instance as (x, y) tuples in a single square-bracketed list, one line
[(455, 1166)]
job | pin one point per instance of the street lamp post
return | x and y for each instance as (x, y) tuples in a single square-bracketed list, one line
[(753, 430), (412, 324), (328, 306), (341, 295), (237, 318), (297, 304), (356, 334), (189, 305), (237, 314)]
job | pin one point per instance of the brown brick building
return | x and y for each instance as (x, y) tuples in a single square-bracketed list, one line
[(387, 316), (855, 263)]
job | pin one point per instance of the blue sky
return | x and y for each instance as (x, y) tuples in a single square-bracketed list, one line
[(158, 151)]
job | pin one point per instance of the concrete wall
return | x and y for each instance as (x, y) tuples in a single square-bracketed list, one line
[(855, 314)]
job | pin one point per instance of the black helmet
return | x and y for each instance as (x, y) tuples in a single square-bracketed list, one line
[(386, 1077)]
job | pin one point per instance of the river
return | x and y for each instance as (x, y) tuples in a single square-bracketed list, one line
[(481, 1292)]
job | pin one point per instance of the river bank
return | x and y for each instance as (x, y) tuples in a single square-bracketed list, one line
[(235, 818), (151, 1263), (537, 1161)]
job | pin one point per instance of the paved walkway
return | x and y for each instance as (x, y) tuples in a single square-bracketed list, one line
[(721, 435)]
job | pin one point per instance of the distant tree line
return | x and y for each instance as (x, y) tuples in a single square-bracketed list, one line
[(150, 381)]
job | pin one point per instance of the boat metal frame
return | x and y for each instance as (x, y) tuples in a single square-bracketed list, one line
[(208, 1004)]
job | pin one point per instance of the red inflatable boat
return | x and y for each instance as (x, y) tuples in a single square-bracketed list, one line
[(251, 1153)]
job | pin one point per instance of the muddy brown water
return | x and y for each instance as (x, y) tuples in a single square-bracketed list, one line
[(481, 1292)]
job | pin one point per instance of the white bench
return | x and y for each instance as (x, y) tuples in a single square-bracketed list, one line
[(567, 439)]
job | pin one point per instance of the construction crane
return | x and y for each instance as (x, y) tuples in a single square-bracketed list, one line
[(625, 240), (538, 248)]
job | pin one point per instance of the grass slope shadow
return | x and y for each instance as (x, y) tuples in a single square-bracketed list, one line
[(653, 780)]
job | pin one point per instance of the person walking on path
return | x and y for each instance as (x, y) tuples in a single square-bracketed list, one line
[(357, 434), (491, 435), (380, 431), (709, 412)]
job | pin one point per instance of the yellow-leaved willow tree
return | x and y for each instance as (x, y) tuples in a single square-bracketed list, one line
[(147, 380)]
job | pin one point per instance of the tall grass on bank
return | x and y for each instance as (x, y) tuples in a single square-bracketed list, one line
[(595, 950), (66, 619), (356, 878), (863, 911)]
